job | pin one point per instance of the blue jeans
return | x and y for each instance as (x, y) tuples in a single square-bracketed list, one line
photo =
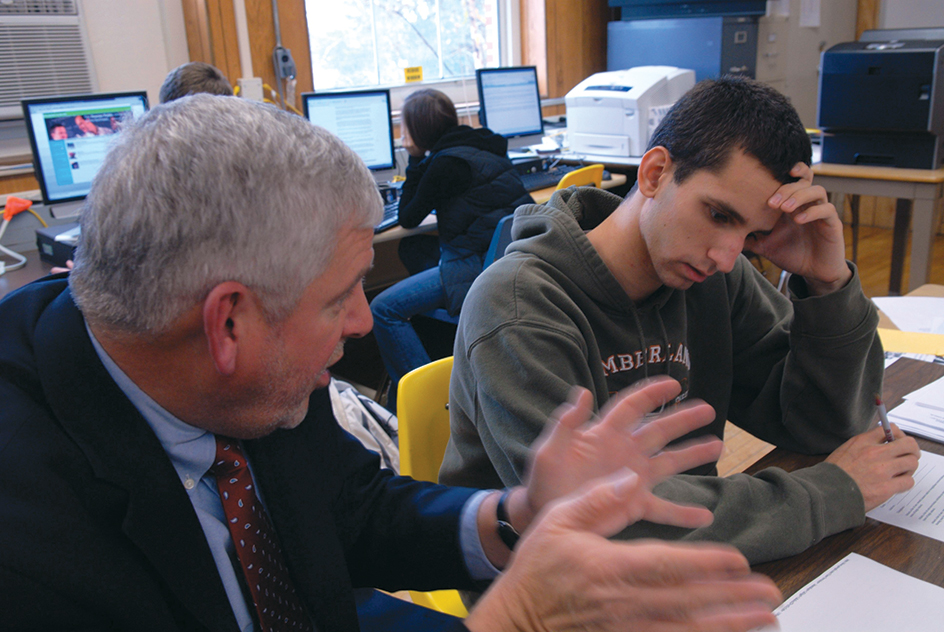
[(400, 347)]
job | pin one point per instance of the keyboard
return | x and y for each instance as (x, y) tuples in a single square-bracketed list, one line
[(390, 217), (537, 180)]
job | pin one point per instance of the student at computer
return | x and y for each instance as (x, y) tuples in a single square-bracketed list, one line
[(465, 176)]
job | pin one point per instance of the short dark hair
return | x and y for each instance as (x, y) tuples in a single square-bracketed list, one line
[(428, 114), (192, 78), (719, 115)]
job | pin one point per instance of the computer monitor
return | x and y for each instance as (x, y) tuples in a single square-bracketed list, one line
[(509, 101), (70, 135), (361, 118)]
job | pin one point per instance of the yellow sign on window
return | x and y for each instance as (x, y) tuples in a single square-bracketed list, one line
[(412, 75)]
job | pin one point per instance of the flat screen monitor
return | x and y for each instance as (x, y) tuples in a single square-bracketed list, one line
[(70, 135), (509, 101), (361, 118)]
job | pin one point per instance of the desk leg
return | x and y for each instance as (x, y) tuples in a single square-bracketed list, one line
[(922, 238), (899, 242)]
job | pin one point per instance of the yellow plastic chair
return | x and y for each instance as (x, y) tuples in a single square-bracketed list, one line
[(423, 416), (582, 177)]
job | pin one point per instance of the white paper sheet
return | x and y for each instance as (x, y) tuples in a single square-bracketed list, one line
[(923, 314), (929, 393), (922, 412), (920, 509), (810, 13), (891, 356), (860, 595)]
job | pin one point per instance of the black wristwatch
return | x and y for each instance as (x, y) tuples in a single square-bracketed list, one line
[(506, 532)]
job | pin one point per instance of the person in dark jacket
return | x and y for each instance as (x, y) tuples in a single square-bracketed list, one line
[(465, 176)]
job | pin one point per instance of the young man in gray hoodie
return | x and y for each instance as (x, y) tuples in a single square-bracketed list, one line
[(601, 292)]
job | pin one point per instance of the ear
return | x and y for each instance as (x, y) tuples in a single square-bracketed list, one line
[(225, 320), (654, 168)]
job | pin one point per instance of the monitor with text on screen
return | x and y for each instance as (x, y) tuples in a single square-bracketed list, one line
[(361, 118), (509, 101), (70, 135)]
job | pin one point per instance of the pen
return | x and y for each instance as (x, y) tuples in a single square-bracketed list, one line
[(883, 416)]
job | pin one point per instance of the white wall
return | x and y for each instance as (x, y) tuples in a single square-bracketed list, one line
[(135, 43), (898, 14), (788, 55)]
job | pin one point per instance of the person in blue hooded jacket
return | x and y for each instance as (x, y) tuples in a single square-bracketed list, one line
[(465, 176)]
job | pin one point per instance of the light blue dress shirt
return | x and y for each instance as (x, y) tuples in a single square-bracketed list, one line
[(192, 451)]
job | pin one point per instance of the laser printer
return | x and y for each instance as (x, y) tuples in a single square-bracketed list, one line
[(614, 113), (881, 99)]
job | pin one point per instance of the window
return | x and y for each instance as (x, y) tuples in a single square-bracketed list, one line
[(358, 43)]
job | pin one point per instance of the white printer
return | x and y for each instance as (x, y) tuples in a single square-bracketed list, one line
[(615, 113)]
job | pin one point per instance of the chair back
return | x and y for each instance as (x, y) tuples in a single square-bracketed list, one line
[(592, 174), (496, 250), (423, 416), (500, 240)]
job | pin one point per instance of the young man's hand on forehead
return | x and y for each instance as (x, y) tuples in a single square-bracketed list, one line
[(808, 239)]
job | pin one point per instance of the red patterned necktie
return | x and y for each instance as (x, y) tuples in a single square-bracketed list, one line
[(277, 605)]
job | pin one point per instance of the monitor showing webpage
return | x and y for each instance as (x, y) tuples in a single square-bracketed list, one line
[(509, 101), (360, 118), (70, 136)]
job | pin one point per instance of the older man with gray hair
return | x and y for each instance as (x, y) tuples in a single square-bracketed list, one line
[(169, 459)]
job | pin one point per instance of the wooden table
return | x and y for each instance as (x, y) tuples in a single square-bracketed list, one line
[(908, 552), (917, 191)]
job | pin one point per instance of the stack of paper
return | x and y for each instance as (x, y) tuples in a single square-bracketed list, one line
[(922, 412), (858, 594)]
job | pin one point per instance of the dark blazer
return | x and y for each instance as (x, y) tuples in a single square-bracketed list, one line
[(96, 531)]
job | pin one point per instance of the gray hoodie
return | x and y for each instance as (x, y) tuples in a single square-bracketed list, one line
[(800, 374)]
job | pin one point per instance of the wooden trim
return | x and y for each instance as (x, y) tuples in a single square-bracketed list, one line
[(534, 39), (565, 40), (17, 184), (198, 33), (294, 30), (211, 35), (867, 16), (222, 19)]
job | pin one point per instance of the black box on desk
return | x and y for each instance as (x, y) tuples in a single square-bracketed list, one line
[(890, 149), (881, 100), (56, 244)]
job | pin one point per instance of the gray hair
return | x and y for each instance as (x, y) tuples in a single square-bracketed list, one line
[(208, 189)]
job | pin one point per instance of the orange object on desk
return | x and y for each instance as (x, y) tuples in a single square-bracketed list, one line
[(15, 205)]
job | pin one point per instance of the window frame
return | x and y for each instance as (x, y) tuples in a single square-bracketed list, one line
[(463, 90)]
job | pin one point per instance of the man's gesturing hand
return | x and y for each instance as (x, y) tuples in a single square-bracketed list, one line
[(574, 451), (565, 575)]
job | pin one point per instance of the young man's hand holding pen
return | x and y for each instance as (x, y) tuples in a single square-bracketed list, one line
[(879, 467)]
